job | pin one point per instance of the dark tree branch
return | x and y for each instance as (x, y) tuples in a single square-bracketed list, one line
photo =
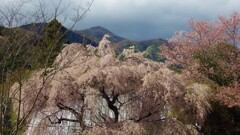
[(149, 114), (110, 102), (59, 120), (63, 107)]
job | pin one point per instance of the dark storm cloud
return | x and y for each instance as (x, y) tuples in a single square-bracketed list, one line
[(145, 19)]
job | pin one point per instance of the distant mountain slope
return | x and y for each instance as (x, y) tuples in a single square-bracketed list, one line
[(97, 33), (36, 27), (94, 34), (70, 35), (152, 47)]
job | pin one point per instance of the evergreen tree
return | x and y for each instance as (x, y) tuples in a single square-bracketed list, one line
[(51, 42)]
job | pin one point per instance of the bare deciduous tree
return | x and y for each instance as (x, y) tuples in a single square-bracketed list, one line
[(18, 59)]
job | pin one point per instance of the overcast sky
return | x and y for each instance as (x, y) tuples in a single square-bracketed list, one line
[(147, 19)]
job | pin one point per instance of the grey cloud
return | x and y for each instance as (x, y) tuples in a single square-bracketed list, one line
[(144, 19)]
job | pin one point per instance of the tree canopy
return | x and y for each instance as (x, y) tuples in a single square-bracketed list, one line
[(210, 53), (99, 90)]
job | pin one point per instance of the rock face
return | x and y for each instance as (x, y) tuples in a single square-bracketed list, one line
[(90, 91)]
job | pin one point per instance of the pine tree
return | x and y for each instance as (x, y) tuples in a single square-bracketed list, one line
[(51, 42)]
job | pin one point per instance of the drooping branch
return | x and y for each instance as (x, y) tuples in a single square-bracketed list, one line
[(59, 120), (149, 113), (78, 115), (63, 107)]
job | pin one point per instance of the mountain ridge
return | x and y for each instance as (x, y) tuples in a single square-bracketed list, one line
[(71, 36), (93, 35), (97, 33)]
